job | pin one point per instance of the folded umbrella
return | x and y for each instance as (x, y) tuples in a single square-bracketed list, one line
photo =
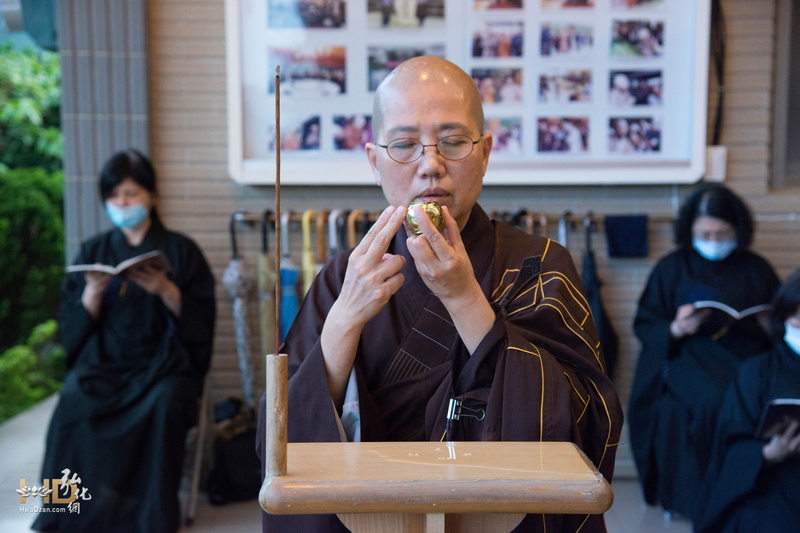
[(290, 275), (266, 289), (240, 285)]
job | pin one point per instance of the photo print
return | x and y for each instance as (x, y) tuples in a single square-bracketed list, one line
[(480, 5), (630, 135), (559, 4), (637, 38), (632, 4), (381, 60), (297, 134), (565, 86), (306, 13), (506, 133), (405, 14), (493, 39), (566, 39), (628, 88), (351, 132), (499, 85), (563, 134), (309, 72)]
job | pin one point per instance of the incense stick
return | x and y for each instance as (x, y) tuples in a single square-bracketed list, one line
[(277, 209)]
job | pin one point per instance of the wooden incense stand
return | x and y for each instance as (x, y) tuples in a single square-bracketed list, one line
[(422, 487)]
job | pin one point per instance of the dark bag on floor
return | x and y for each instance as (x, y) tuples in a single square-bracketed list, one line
[(236, 474), (236, 471)]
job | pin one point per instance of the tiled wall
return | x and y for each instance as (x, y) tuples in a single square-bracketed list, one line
[(186, 56)]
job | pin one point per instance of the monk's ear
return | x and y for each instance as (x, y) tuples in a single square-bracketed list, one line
[(372, 157), (488, 141)]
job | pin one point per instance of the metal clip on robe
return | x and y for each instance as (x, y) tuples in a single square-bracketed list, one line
[(457, 410)]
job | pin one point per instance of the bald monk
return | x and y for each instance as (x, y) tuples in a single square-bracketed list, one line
[(476, 312)]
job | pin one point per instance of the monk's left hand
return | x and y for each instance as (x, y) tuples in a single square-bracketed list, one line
[(444, 266), (441, 258), (150, 278)]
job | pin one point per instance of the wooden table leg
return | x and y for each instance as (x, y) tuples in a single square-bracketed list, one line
[(430, 523)]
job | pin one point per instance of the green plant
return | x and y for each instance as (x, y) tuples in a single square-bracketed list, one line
[(31, 250), (30, 372), (30, 99)]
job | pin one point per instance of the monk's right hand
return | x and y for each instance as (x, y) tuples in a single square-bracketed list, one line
[(687, 320), (372, 277)]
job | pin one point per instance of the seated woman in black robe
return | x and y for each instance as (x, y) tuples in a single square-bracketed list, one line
[(753, 482), (138, 347), (687, 359)]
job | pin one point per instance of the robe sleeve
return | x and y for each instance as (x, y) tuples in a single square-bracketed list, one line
[(195, 280), (75, 325), (654, 314), (543, 367), (737, 458)]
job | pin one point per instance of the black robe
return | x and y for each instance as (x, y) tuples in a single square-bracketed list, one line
[(131, 389), (743, 494), (679, 384), (539, 372)]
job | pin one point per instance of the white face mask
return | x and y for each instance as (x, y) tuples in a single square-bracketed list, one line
[(792, 338), (126, 216), (714, 250)]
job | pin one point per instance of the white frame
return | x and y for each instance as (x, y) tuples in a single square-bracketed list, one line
[(559, 170)]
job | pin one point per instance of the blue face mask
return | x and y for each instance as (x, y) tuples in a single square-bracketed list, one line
[(792, 338), (128, 216), (714, 250)]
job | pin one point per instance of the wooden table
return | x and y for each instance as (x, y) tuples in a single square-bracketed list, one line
[(436, 486)]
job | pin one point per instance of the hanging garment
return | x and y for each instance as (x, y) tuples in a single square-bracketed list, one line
[(609, 342)]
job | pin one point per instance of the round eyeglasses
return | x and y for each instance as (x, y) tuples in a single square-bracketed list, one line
[(452, 147)]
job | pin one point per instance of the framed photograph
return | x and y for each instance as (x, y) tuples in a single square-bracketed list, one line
[(628, 88), (507, 135), (563, 134), (382, 59), (564, 40), (565, 86), (574, 91), (494, 39), (634, 135)]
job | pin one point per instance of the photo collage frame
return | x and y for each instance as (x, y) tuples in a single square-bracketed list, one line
[(574, 91)]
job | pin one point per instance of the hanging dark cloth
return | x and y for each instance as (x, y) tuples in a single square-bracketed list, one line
[(626, 235), (591, 283)]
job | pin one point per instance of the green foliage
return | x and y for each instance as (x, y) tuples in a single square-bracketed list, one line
[(30, 372), (31, 250), (30, 99)]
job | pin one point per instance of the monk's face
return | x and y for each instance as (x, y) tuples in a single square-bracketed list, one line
[(428, 107)]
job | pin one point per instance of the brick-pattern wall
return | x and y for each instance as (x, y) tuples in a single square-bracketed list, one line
[(188, 131)]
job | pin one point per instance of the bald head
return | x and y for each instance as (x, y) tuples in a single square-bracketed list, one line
[(421, 74)]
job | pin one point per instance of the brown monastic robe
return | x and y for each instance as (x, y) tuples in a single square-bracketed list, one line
[(539, 373)]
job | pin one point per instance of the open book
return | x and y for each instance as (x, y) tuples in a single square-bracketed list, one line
[(155, 258), (777, 415), (736, 315)]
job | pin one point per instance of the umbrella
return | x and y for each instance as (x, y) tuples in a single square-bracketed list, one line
[(333, 234), (309, 264), (563, 224), (266, 289), (290, 275), (352, 219), (240, 285), (322, 250), (591, 285)]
